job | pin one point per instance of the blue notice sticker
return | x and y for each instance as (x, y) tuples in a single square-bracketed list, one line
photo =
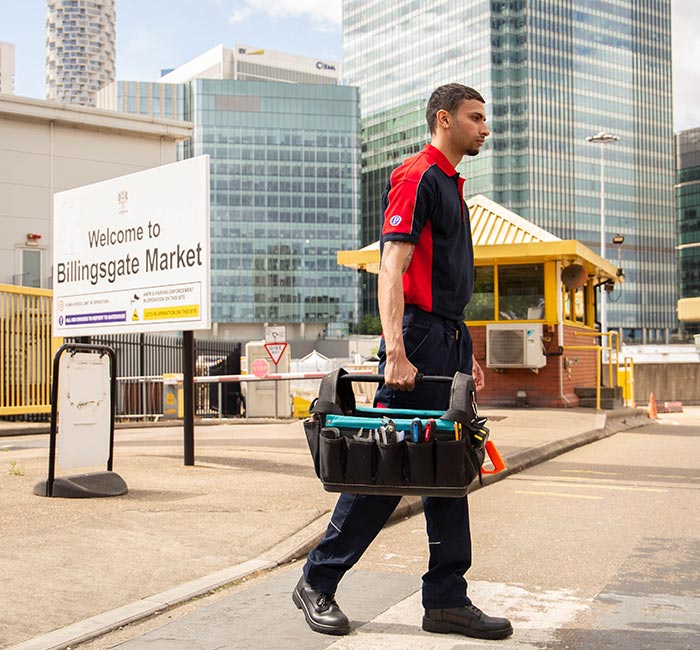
[(102, 317)]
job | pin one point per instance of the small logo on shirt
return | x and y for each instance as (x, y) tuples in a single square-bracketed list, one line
[(395, 220)]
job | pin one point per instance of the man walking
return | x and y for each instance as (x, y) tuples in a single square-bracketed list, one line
[(426, 279)]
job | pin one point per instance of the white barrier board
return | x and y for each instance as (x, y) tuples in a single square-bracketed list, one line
[(83, 410)]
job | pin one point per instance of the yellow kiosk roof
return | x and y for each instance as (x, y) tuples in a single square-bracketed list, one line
[(503, 237)]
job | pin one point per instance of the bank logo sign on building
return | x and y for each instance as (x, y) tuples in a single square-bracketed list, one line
[(132, 254)]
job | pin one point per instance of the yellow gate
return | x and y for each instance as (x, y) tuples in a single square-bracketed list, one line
[(26, 350)]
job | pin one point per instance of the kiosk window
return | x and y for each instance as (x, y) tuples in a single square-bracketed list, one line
[(521, 292), (481, 306)]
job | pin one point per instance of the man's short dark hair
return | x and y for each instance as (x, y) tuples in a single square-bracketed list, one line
[(448, 98)]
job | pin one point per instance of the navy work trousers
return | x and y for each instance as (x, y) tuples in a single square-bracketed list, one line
[(436, 346)]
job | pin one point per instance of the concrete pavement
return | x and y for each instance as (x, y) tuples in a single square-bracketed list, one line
[(76, 569)]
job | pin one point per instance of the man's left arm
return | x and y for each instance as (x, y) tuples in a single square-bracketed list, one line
[(478, 374)]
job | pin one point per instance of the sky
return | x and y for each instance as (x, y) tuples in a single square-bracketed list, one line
[(157, 34)]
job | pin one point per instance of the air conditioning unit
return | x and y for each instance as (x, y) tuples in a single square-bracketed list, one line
[(514, 345)]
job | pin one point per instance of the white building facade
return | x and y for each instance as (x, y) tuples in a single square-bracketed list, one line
[(46, 147)]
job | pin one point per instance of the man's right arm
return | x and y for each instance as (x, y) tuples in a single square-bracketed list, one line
[(399, 372)]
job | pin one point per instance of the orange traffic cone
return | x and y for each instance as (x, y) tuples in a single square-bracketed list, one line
[(653, 414)]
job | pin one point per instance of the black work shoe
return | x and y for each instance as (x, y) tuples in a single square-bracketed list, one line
[(467, 620), (321, 611)]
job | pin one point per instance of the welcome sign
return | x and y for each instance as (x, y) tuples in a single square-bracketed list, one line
[(131, 254)]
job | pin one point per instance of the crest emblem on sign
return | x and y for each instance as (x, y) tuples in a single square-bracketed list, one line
[(122, 198)]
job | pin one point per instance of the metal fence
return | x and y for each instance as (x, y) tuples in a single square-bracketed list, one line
[(143, 359), (26, 352), (27, 349)]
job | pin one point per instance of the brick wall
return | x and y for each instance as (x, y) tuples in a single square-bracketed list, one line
[(551, 386)]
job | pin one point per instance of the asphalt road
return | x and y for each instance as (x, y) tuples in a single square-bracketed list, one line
[(610, 531)]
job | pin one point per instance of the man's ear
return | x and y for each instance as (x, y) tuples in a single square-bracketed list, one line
[(443, 118)]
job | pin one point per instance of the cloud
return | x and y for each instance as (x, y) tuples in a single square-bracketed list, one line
[(323, 15), (239, 15)]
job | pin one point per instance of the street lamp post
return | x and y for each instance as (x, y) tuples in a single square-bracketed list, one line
[(602, 139)]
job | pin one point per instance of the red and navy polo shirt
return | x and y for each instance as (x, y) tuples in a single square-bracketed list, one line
[(423, 204)]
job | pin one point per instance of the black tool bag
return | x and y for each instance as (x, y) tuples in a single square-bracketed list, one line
[(348, 460)]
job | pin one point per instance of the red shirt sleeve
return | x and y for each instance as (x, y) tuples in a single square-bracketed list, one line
[(409, 205)]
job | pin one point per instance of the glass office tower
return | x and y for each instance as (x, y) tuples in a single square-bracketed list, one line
[(285, 182), (285, 194), (553, 72), (688, 206)]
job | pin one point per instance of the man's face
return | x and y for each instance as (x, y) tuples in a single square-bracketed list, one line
[(468, 128)]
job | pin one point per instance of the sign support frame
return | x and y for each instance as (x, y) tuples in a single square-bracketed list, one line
[(106, 483)]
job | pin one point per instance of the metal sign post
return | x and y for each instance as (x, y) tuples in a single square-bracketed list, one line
[(188, 397)]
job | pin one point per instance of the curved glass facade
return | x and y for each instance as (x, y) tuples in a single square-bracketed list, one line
[(552, 73)]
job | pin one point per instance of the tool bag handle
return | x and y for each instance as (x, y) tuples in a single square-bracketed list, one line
[(379, 379), (336, 396)]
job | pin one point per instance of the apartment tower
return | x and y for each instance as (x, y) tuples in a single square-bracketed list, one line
[(80, 49)]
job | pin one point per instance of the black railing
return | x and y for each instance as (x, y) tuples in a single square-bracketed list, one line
[(142, 360)]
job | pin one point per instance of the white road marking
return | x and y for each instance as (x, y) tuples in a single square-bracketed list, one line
[(576, 480), (620, 488), (589, 471), (536, 616), (559, 494)]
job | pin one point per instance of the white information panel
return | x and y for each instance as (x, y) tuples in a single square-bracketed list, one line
[(84, 410), (131, 254)]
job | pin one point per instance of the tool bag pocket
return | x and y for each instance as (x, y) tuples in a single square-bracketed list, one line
[(360, 461), (312, 429), (390, 458), (332, 457), (450, 459), (420, 463)]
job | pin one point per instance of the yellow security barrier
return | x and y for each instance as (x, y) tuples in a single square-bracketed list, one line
[(173, 396), (300, 407), (26, 350), (626, 380)]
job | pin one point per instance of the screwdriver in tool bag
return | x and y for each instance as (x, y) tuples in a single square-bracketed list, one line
[(480, 433), (429, 431), (416, 429)]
